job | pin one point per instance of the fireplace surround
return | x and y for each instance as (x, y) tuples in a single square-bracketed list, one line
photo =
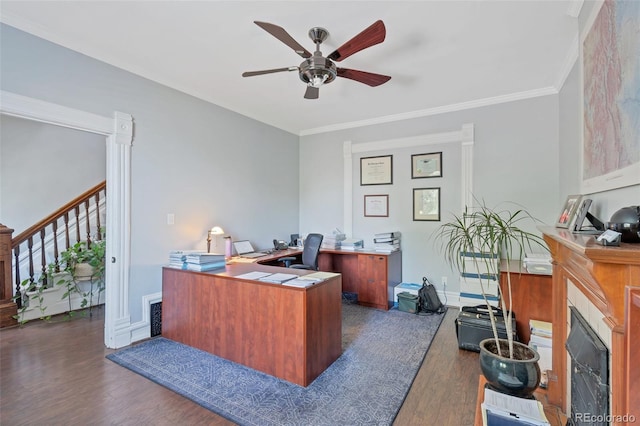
[(609, 278), (589, 373)]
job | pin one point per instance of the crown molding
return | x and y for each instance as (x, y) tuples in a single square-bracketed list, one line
[(545, 91)]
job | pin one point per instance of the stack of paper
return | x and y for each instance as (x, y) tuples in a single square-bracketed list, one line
[(332, 241), (386, 242), (277, 278), (541, 341), (309, 280), (501, 409), (255, 275), (303, 281), (352, 244), (538, 263)]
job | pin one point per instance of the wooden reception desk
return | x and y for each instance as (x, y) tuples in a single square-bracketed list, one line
[(288, 332)]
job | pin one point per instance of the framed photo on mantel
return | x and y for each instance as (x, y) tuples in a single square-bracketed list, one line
[(568, 212)]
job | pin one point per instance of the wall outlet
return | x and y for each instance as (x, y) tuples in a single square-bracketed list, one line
[(171, 219), (444, 281)]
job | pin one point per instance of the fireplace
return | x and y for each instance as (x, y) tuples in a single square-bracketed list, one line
[(589, 373), (604, 284)]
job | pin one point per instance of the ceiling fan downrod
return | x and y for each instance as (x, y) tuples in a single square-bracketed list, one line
[(318, 70)]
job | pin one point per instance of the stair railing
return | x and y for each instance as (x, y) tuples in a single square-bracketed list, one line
[(79, 216)]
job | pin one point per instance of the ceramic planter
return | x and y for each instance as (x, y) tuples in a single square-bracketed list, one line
[(518, 377)]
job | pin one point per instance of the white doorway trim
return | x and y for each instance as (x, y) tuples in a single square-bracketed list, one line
[(119, 138)]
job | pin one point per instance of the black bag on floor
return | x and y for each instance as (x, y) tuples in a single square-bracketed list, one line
[(428, 300), (474, 325)]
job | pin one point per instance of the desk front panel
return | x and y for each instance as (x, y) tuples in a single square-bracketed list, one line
[(369, 274), (287, 332)]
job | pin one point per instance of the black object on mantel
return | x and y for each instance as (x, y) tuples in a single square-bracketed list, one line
[(627, 222)]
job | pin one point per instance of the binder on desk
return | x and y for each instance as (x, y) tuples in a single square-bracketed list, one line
[(499, 409)]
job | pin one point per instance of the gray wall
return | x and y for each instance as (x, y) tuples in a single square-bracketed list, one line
[(43, 167), (207, 165), (515, 161)]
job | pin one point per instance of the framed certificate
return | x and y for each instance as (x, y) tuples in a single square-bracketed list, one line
[(426, 165), (426, 204), (376, 206), (376, 170)]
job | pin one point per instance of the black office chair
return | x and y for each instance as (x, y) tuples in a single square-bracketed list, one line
[(309, 254)]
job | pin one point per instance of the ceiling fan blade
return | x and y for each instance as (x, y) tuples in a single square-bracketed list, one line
[(312, 93), (252, 73), (283, 36), (368, 78), (372, 35)]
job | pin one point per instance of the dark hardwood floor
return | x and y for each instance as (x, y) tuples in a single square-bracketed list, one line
[(57, 374)]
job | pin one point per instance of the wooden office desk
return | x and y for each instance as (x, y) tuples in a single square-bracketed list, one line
[(288, 332), (531, 295), (369, 274)]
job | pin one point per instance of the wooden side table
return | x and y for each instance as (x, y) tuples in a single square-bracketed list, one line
[(553, 413)]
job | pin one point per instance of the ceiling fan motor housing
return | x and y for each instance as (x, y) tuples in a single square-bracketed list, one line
[(317, 70)]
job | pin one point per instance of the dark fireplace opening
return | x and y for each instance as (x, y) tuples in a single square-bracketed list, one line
[(589, 374)]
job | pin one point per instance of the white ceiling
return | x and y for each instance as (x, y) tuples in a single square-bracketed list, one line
[(442, 55)]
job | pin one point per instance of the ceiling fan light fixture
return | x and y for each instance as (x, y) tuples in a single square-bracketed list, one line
[(317, 71), (318, 80)]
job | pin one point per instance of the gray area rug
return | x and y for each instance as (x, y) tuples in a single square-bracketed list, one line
[(366, 385)]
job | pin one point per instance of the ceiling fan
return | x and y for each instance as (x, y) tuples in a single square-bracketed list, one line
[(316, 69)]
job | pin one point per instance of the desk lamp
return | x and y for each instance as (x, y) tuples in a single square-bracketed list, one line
[(215, 231)]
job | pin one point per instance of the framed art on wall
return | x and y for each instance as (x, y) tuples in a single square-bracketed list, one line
[(376, 205), (426, 165), (611, 98), (376, 170), (426, 204)]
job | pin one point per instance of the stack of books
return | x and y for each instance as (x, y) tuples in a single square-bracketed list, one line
[(178, 258), (352, 244), (332, 241), (386, 242), (193, 260), (541, 341), (205, 261)]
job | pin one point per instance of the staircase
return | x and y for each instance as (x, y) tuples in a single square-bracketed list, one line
[(24, 259)]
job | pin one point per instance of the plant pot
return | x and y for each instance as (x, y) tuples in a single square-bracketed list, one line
[(83, 272), (519, 376)]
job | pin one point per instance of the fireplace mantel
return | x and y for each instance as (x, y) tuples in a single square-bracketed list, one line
[(606, 276)]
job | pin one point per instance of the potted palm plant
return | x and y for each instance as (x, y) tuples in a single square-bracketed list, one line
[(508, 365)]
